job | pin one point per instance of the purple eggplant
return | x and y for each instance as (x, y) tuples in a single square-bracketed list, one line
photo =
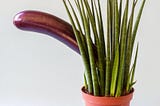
[(45, 23)]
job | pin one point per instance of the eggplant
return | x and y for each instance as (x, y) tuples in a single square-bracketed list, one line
[(48, 24)]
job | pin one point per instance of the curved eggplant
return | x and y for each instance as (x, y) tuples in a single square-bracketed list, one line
[(45, 23)]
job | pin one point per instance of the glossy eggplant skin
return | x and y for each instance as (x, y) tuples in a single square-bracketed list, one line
[(45, 23)]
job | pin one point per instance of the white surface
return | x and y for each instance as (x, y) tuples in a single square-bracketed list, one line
[(37, 70)]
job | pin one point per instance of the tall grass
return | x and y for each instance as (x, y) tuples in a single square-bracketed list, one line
[(107, 56)]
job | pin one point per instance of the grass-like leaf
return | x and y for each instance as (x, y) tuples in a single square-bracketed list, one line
[(90, 49), (82, 51), (137, 22), (129, 44), (122, 51), (108, 51), (116, 58), (115, 73), (101, 49), (108, 69), (133, 69)]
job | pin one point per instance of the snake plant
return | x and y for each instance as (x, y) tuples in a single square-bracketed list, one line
[(107, 57)]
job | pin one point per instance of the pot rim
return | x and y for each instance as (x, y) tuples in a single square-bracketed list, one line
[(107, 101), (109, 97)]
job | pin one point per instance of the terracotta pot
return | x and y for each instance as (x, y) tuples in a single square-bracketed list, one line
[(91, 100)]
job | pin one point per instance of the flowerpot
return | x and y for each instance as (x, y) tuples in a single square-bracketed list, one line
[(91, 100)]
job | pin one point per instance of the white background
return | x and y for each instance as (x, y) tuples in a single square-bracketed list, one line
[(37, 70)]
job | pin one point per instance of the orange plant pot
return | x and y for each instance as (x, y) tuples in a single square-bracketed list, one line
[(91, 100)]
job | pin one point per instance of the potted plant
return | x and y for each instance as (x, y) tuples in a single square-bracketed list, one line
[(109, 70)]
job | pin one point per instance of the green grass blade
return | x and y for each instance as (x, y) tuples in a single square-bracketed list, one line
[(129, 48), (75, 16), (137, 22), (130, 81), (116, 61), (93, 66), (91, 18), (108, 51), (79, 27), (101, 29), (90, 49), (117, 28), (80, 9), (107, 77), (115, 73), (85, 81), (134, 66), (92, 8), (101, 54), (120, 12), (113, 30), (122, 52), (82, 51)]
